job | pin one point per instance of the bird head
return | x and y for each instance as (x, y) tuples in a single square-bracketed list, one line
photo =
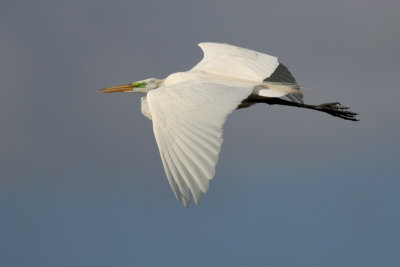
[(135, 87)]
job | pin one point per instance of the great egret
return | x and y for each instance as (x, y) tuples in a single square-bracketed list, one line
[(189, 109)]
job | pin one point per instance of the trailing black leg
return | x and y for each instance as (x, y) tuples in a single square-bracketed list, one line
[(337, 110), (334, 109)]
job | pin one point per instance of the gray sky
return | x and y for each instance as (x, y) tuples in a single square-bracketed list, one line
[(81, 181)]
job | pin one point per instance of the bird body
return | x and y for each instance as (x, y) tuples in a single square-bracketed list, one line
[(188, 109)]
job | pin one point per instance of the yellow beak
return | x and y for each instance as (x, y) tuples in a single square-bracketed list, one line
[(119, 88)]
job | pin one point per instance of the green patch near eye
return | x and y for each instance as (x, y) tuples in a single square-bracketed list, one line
[(139, 84)]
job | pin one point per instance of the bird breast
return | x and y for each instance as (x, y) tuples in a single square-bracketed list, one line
[(145, 108)]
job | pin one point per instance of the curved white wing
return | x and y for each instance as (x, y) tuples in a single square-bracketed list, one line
[(237, 62), (187, 121), (241, 63)]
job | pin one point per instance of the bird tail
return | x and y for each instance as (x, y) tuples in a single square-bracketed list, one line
[(277, 89)]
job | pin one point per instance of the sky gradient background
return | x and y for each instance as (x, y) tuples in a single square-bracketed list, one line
[(81, 181)]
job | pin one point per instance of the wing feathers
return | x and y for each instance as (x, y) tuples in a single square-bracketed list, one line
[(171, 179), (187, 120), (191, 173), (237, 62), (196, 169), (202, 163), (189, 111), (208, 144), (184, 174), (178, 178)]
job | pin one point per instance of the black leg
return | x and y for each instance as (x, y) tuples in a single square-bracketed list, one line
[(334, 109)]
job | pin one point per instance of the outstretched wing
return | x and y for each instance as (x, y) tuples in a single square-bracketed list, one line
[(237, 62), (187, 121), (241, 63)]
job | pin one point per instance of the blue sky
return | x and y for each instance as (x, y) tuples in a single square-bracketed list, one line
[(81, 181)]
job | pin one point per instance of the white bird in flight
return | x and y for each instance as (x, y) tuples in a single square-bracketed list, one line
[(189, 109)]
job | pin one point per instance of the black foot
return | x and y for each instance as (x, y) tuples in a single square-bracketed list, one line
[(337, 110)]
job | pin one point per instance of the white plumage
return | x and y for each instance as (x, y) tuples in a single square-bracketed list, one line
[(189, 109), (187, 121), (232, 61)]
